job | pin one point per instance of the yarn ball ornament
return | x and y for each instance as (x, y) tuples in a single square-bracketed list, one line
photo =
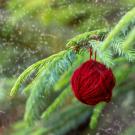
[(93, 82)]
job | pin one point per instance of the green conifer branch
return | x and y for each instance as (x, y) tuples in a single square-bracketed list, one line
[(96, 114), (25, 74), (85, 38), (36, 66), (122, 23), (65, 78), (57, 69), (67, 118), (42, 91), (57, 102)]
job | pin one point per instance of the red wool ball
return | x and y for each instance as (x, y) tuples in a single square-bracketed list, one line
[(93, 82)]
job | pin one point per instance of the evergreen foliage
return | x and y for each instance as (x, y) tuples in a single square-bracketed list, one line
[(42, 90), (53, 75)]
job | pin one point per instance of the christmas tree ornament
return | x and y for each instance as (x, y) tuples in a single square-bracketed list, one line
[(93, 82)]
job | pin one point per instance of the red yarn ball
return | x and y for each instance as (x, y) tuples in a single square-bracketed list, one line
[(93, 82)]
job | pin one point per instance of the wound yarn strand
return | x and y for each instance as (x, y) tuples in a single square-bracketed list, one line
[(93, 82)]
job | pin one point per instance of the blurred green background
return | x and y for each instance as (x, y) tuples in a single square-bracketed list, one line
[(34, 29)]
